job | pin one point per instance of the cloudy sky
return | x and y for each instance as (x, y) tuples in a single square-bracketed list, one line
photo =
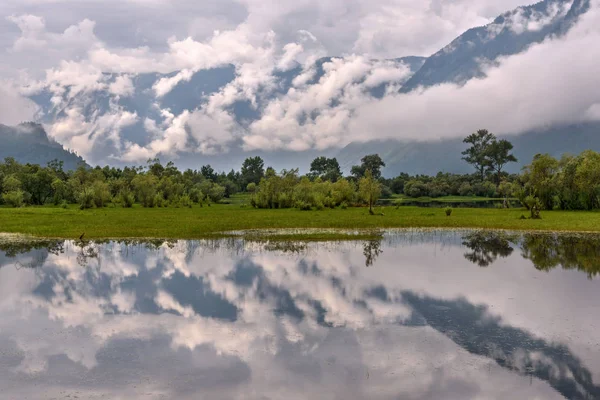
[(64, 47)]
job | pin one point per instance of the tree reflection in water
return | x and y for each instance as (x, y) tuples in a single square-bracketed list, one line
[(545, 250), (487, 246), (549, 251), (372, 250)]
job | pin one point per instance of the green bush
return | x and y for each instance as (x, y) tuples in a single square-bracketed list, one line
[(535, 205), (465, 189), (185, 201), (126, 198), (216, 193), (175, 202), (85, 199), (101, 194), (158, 201), (448, 211), (414, 188), (303, 206), (145, 189), (344, 205), (64, 205), (13, 198), (329, 202)]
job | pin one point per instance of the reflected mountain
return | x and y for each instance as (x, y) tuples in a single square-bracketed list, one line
[(476, 330)]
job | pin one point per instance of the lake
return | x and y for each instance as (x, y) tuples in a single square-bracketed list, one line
[(413, 315)]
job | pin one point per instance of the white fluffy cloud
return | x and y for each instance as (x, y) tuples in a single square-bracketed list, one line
[(14, 108), (68, 55), (548, 84)]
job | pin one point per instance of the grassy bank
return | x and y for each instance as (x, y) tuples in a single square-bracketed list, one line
[(203, 222)]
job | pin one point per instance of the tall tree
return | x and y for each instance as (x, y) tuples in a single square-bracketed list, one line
[(326, 168), (540, 178), (369, 189), (499, 154), (253, 169), (478, 153), (208, 172), (155, 167), (372, 163)]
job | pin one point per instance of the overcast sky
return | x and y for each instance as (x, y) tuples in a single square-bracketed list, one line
[(60, 44), (378, 28)]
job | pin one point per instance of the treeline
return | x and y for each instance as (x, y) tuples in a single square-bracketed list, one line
[(571, 183), (152, 186), (156, 185)]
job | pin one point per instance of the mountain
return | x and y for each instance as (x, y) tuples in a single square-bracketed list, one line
[(445, 155), (29, 143), (510, 33), (462, 60), (120, 111), (143, 102)]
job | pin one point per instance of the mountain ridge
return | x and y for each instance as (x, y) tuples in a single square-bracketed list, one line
[(29, 143), (461, 60)]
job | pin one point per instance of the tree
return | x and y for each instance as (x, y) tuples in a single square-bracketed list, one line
[(253, 170), (145, 188), (325, 168), (478, 154), (498, 155), (372, 163), (37, 182), (155, 167), (540, 180), (209, 173), (11, 184), (369, 189), (216, 193), (587, 179)]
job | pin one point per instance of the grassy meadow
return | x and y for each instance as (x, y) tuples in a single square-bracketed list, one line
[(203, 222)]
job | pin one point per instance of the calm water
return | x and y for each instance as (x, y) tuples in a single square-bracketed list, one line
[(434, 315)]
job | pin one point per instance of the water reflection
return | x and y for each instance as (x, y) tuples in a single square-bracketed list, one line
[(240, 319), (549, 251), (372, 250), (475, 329), (545, 250), (486, 246)]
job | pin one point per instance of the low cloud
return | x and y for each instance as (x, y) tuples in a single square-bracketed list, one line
[(15, 108), (551, 83)]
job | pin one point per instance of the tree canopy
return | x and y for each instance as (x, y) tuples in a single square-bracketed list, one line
[(253, 169), (372, 162), (326, 168), (488, 154)]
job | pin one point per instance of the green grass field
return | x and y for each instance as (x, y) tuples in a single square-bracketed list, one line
[(197, 222), (446, 199)]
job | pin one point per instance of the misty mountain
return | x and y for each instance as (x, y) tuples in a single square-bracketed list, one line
[(445, 155), (124, 110), (29, 143), (510, 33)]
